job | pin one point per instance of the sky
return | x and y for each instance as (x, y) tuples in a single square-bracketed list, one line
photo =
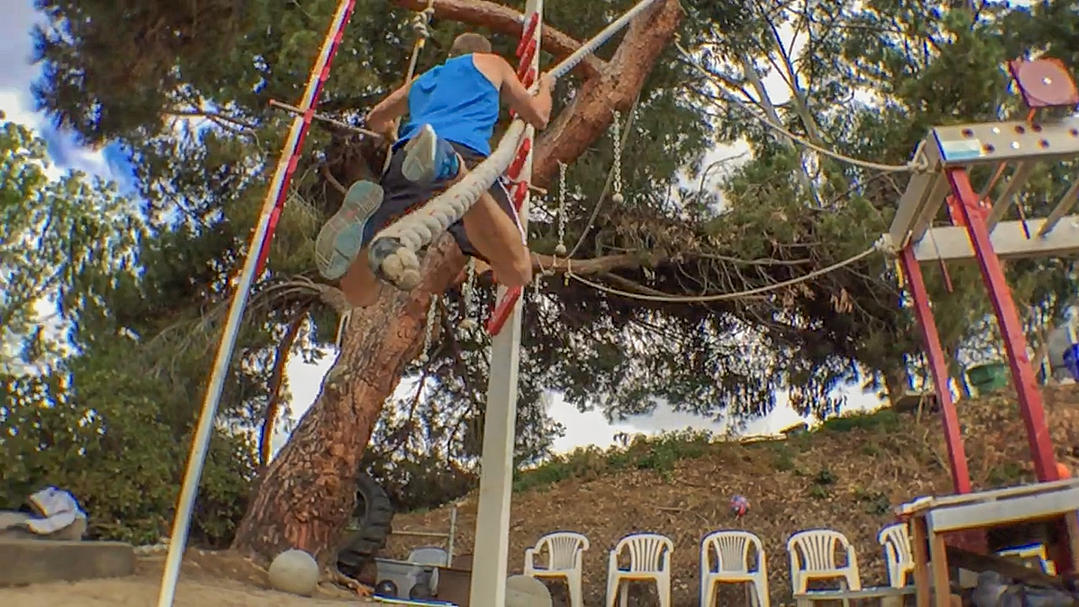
[(588, 428)]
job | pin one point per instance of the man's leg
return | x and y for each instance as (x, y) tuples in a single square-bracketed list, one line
[(497, 236), (359, 285), (490, 229)]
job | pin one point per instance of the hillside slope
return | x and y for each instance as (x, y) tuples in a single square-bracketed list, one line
[(846, 476)]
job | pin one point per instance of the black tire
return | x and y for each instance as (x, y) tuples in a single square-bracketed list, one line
[(372, 519)]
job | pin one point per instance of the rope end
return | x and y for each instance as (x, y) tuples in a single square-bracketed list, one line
[(394, 263)]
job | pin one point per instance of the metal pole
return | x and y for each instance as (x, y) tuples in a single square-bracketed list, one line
[(257, 247), (491, 555), (957, 456), (1011, 330)]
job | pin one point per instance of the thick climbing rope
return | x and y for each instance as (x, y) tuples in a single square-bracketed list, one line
[(912, 166), (393, 252), (724, 296)]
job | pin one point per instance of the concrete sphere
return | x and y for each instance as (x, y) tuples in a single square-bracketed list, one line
[(524, 591), (294, 571)]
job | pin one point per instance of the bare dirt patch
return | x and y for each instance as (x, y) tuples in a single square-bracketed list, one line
[(847, 479), (208, 579)]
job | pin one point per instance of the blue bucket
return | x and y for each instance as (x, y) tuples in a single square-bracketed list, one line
[(1071, 361)]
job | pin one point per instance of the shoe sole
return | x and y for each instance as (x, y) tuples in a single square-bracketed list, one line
[(341, 238), (419, 163)]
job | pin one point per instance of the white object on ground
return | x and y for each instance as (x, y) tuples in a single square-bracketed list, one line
[(523, 591), (294, 571), (58, 509)]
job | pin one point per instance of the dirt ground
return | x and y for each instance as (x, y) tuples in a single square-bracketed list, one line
[(848, 481), (208, 579)]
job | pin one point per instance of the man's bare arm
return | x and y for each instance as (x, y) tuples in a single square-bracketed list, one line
[(380, 118), (534, 109)]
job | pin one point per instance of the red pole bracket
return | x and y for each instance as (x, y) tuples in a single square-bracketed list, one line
[(1011, 329), (503, 310), (526, 59), (519, 193), (528, 34), (519, 161), (529, 77)]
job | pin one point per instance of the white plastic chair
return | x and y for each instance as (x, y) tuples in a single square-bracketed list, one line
[(733, 552), (1031, 552), (564, 555), (649, 559), (812, 555), (898, 558)]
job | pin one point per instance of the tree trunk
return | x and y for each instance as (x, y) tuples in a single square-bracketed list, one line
[(897, 382), (306, 494)]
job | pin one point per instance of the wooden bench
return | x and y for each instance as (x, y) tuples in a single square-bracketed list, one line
[(887, 596)]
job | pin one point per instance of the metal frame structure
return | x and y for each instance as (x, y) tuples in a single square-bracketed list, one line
[(257, 252), (979, 232), (488, 584)]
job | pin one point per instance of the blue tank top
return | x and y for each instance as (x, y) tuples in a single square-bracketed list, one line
[(458, 101)]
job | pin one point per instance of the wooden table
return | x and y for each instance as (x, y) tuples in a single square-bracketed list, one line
[(931, 517)]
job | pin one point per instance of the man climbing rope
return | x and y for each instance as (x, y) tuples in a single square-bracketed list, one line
[(452, 111)]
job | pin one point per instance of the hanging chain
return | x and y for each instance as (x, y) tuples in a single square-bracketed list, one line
[(616, 135), (560, 250), (468, 291), (431, 319)]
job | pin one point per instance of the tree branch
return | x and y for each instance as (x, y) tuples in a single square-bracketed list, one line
[(505, 20), (591, 111), (597, 265), (273, 406)]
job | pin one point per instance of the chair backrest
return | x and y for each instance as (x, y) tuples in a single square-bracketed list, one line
[(646, 551), (814, 550), (732, 549), (562, 549), (897, 553)]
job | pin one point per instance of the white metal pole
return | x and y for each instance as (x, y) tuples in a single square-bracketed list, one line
[(201, 441), (491, 554)]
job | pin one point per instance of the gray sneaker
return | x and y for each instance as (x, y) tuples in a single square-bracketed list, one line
[(346, 233), (428, 158)]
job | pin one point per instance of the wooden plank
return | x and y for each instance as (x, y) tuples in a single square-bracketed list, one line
[(1001, 511), (927, 502), (938, 554), (1004, 566), (921, 561), (1009, 238)]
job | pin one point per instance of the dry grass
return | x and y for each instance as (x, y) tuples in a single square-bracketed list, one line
[(846, 477)]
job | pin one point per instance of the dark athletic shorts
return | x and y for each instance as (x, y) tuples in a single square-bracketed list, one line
[(401, 196)]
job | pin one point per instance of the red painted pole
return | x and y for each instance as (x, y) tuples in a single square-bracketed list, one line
[(1015, 343), (294, 152), (938, 368)]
